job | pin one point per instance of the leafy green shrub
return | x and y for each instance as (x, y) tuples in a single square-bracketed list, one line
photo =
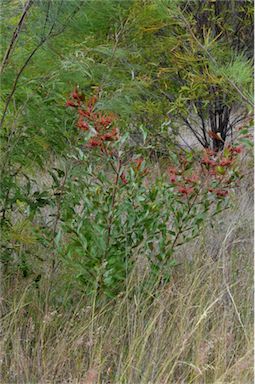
[(115, 213)]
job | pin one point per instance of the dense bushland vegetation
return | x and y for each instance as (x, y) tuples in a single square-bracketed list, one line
[(126, 191)]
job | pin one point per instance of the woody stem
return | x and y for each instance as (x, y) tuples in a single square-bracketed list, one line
[(113, 200)]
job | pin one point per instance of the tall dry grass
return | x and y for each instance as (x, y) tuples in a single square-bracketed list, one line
[(197, 329)]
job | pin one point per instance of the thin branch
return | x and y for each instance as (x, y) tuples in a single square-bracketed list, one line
[(16, 34), (200, 114), (69, 18), (42, 41), (46, 18), (8, 100), (196, 134), (185, 143)]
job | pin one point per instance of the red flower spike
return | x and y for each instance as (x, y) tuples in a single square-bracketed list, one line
[(212, 172), (94, 142), (123, 178), (238, 149), (105, 121), (172, 171), (97, 126), (221, 193), (91, 103), (207, 161), (185, 191), (210, 152), (86, 114), (75, 95), (225, 162), (138, 163), (111, 136), (82, 124), (70, 103), (194, 179)]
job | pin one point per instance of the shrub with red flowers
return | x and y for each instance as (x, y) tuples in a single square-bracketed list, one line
[(214, 172), (101, 126), (124, 211)]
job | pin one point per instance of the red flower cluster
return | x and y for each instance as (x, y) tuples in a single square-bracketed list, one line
[(186, 190), (123, 178), (207, 161), (215, 171), (70, 103), (172, 174), (225, 162), (102, 126), (193, 179), (224, 159), (217, 168), (89, 118), (238, 149), (184, 185), (219, 192)]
